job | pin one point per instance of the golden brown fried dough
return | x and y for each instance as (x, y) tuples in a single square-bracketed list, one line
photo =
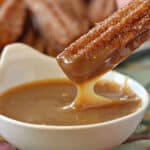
[(108, 43), (39, 44), (50, 51), (12, 17), (60, 22), (29, 36), (32, 38), (101, 9), (1, 2)]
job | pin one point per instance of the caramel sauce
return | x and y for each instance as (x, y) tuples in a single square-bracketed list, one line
[(43, 102), (86, 97)]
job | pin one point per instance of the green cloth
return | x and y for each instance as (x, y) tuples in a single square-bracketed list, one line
[(138, 67)]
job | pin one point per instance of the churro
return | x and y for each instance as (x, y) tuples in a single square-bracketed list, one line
[(107, 44), (60, 22), (101, 9), (12, 17)]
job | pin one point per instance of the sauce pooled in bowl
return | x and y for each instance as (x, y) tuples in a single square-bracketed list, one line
[(42, 102)]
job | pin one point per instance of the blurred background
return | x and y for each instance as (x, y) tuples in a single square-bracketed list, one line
[(50, 26)]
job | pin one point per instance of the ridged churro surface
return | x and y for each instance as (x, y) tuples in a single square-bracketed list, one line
[(101, 9), (107, 44), (12, 17), (59, 21)]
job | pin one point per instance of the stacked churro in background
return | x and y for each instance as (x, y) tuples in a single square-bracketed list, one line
[(50, 25), (12, 19), (101, 9)]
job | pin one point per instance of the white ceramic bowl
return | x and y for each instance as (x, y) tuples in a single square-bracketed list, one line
[(20, 64)]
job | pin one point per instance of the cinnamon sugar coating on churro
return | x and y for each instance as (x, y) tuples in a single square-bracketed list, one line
[(108, 43), (12, 17)]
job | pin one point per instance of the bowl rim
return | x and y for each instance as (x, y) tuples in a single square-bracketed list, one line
[(145, 103)]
